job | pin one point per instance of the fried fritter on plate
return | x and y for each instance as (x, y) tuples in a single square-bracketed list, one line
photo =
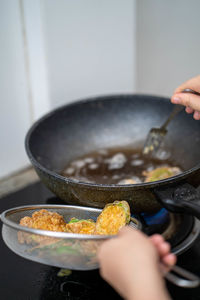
[(81, 226), (113, 217), (161, 173)]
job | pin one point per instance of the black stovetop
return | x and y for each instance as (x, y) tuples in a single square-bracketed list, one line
[(21, 279)]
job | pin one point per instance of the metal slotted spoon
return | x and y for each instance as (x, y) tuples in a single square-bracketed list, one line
[(67, 250), (156, 136)]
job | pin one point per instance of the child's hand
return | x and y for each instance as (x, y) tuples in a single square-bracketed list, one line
[(131, 263), (167, 259)]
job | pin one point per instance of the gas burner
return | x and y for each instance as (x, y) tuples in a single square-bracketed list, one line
[(74, 289), (178, 229), (182, 243), (43, 281), (160, 217)]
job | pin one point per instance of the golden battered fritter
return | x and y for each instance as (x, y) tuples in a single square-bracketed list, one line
[(81, 226), (46, 220), (128, 181), (161, 173), (113, 217)]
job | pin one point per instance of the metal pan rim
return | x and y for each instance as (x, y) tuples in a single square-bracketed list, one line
[(55, 234)]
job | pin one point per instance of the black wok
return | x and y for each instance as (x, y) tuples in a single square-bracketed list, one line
[(111, 121)]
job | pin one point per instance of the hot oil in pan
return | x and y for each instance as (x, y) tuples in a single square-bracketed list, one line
[(114, 166)]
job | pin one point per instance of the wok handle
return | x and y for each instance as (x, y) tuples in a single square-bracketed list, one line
[(186, 278), (183, 198)]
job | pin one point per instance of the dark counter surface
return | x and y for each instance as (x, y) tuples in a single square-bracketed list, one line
[(22, 279)]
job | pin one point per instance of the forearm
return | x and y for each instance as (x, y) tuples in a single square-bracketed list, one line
[(149, 286)]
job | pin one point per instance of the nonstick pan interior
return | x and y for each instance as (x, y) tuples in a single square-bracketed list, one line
[(111, 121)]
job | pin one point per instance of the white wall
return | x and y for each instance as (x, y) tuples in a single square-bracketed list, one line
[(53, 52), (168, 44), (90, 47), (15, 110)]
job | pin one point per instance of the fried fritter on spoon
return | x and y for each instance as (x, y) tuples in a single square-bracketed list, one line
[(45, 220), (81, 226), (113, 217)]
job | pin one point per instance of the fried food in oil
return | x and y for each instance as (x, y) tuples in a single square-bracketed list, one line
[(81, 226), (113, 217), (45, 220), (128, 181), (161, 173)]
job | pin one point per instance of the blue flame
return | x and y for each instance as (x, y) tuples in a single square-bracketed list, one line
[(158, 218)]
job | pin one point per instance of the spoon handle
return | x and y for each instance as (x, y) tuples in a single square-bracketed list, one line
[(190, 91), (178, 108)]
